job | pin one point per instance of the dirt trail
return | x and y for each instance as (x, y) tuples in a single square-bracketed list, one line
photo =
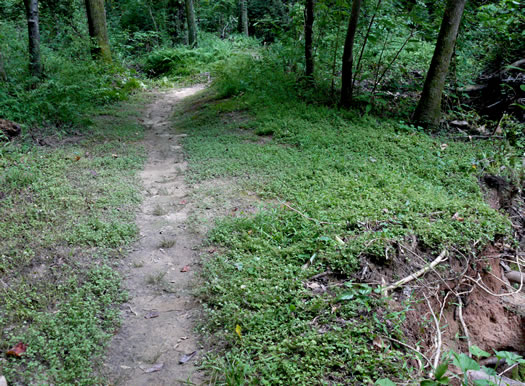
[(158, 321)]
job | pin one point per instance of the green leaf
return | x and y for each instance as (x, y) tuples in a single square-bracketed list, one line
[(384, 382), (477, 352), (522, 87), (441, 370), (345, 296), (465, 363), (428, 382), (509, 357)]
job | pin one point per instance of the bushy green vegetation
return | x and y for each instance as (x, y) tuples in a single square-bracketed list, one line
[(74, 84), (66, 212), (180, 61), (364, 183)]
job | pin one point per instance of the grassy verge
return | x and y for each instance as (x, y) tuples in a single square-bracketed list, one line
[(66, 215), (363, 184)]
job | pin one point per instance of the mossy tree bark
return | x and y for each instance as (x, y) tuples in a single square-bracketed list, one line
[(244, 16), (192, 24), (428, 111), (33, 29), (348, 55), (308, 38), (96, 15)]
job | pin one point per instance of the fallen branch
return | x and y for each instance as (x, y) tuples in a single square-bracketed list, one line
[(474, 375), (415, 275)]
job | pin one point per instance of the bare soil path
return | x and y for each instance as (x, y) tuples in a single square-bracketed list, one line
[(158, 321)]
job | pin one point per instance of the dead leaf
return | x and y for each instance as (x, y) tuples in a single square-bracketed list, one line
[(211, 251), (378, 342), (313, 285), (154, 368), (460, 123), (77, 158), (17, 350), (187, 357), (151, 315), (114, 155), (186, 268), (457, 217), (339, 240), (443, 146), (238, 331)]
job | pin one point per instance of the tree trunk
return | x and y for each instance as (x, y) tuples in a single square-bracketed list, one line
[(3, 75), (428, 110), (348, 56), (33, 29), (244, 17), (192, 25), (176, 20), (308, 38), (96, 15)]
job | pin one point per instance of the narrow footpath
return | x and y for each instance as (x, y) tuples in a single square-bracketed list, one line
[(156, 344)]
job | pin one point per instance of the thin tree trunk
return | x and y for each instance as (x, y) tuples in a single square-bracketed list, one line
[(96, 15), (428, 111), (358, 66), (33, 29), (3, 75), (192, 25), (334, 58), (348, 55), (308, 38), (244, 17), (153, 18)]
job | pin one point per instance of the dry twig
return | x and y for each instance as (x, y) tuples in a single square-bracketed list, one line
[(415, 275)]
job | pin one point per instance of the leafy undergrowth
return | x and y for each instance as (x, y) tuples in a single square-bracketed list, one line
[(66, 214), (182, 62), (362, 185), (73, 84)]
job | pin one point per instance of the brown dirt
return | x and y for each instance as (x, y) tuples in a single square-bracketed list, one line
[(494, 323), (161, 314)]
